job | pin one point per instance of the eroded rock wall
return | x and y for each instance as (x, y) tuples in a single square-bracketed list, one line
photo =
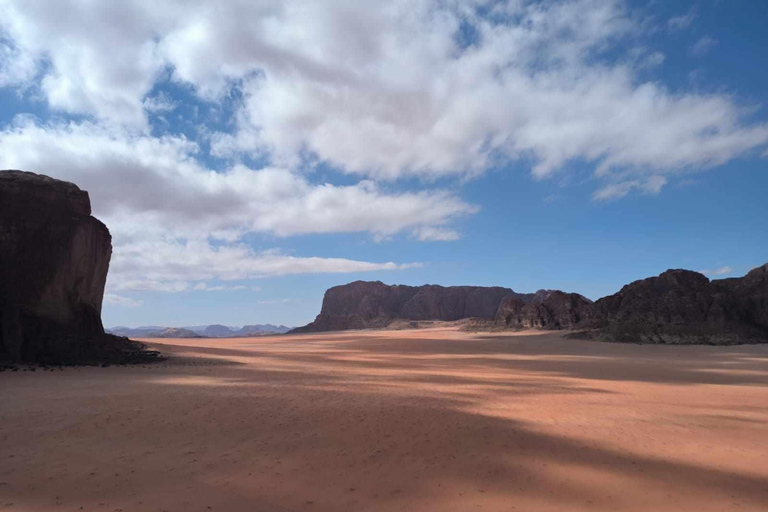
[(54, 258)]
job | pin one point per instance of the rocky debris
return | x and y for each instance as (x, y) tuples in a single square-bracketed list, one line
[(549, 309), (682, 306), (366, 305), (54, 258)]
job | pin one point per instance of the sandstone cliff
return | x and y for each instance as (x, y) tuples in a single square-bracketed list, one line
[(54, 258), (678, 306), (364, 305)]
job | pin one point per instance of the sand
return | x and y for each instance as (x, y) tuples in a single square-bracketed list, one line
[(430, 420)]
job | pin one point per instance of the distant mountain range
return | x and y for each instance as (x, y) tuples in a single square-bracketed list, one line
[(198, 331)]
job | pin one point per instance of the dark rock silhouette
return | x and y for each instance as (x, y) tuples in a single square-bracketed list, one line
[(682, 306), (54, 258), (548, 309), (366, 304)]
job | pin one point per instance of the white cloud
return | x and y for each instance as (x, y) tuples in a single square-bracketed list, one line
[(385, 89), (722, 271), (143, 186), (172, 265), (119, 300), (175, 222), (160, 103), (703, 46), (436, 234), (204, 287), (682, 21), (652, 186)]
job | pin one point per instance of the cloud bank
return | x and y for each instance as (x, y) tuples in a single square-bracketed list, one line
[(383, 92)]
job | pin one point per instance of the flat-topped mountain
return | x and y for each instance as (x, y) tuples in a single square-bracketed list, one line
[(367, 304)]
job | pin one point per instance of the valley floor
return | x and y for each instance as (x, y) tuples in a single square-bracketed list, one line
[(427, 420)]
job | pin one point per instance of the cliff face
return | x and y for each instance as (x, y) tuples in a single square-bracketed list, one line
[(681, 306), (363, 304), (549, 309), (54, 258), (678, 306)]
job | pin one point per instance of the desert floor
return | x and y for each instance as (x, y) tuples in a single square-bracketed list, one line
[(431, 420)]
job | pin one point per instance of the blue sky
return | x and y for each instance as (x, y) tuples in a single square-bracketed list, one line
[(249, 156)]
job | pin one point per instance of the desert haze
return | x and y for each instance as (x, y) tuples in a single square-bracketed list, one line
[(435, 419)]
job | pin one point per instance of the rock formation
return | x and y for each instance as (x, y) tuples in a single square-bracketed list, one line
[(548, 309), (681, 306), (365, 304), (678, 306), (54, 258)]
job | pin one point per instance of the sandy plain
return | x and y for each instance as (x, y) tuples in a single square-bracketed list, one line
[(427, 420)]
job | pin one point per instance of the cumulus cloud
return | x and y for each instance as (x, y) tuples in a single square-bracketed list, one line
[(175, 221), (390, 89), (142, 186)]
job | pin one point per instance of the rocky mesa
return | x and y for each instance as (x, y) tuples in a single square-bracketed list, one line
[(366, 304)]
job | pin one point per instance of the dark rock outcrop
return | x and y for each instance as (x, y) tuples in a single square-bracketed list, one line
[(682, 306), (365, 305), (54, 258), (548, 309)]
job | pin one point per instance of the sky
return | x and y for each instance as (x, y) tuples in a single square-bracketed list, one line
[(247, 155)]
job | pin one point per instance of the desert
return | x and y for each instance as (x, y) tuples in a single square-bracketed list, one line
[(432, 419), (360, 256)]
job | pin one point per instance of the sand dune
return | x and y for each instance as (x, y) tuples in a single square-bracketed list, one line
[(430, 420)]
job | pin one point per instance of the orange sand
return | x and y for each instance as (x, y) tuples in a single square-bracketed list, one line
[(432, 420)]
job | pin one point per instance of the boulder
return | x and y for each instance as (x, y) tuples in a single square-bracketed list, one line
[(54, 258)]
